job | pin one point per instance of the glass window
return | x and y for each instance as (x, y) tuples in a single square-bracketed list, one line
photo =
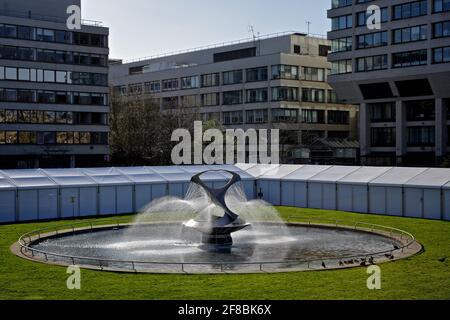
[(10, 73), (232, 97), (285, 94), (257, 95), (232, 77), (257, 74), (11, 137), (49, 76), (10, 116), (24, 74)]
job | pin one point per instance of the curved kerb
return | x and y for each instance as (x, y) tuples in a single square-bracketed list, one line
[(407, 247)]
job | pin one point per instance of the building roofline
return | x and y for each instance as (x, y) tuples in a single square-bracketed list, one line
[(228, 43)]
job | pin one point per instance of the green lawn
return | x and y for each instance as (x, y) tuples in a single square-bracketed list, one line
[(424, 276)]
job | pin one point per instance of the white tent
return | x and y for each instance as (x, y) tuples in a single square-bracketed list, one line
[(269, 183), (8, 193), (149, 185), (77, 193), (115, 191), (353, 190), (423, 194), (37, 194), (295, 186), (178, 180), (322, 193), (259, 169), (386, 191), (446, 202)]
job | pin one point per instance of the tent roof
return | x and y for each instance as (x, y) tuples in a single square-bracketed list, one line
[(260, 169), (431, 178), (29, 178), (305, 173), (333, 174), (107, 176), (397, 176), (233, 168), (364, 175), (279, 172), (5, 184), (141, 175), (69, 177)]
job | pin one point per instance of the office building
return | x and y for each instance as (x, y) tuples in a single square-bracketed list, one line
[(53, 87)]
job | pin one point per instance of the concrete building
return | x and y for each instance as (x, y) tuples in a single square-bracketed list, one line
[(53, 87), (276, 81), (399, 75)]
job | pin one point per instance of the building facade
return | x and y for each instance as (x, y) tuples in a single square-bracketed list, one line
[(272, 82), (53, 87), (399, 75)]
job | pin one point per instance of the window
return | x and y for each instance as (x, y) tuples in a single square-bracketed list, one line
[(234, 55), (25, 33), (441, 5), (26, 137), (383, 137), (210, 99), (10, 116), (257, 74), (46, 97), (342, 22), (257, 95), (410, 10), (49, 76), (362, 17), (441, 29), (421, 136), (297, 49), (410, 34), (410, 59), (313, 95), (257, 116), (284, 116), (324, 50), (170, 85), (11, 137), (233, 117), (46, 35), (382, 112), (313, 74), (372, 40), (372, 63), (285, 94), (190, 82), (232, 77), (232, 97), (190, 101), (340, 3), (420, 110), (210, 80), (338, 117), (24, 74), (313, 116), (341, 66), (441, 55), (285, 72), (342, 44), (10, 73), (8, 31), (152, 87)]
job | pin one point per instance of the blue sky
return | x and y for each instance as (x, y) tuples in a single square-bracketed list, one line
[(146, 27)]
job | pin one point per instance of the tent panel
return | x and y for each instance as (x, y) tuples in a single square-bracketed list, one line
[(264, 188), (69, 203), (446, 205), (7, 206), (345, 196), (432, 204), (28, 205), (315, 195), (288, 194), (107, 200), (378, 200), (329, 196), (301, 195), (394, 201), (88, 201), (360, 199), (143, 196), (413, 202), (176, 190), (274, 195), (159, 191), (124, 199), (48, 203)]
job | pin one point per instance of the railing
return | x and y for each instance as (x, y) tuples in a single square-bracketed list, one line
[(26, 240), (33, 16), (222, 44)]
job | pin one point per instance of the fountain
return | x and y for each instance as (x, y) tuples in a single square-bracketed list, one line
[(217, 230), (212, 230)]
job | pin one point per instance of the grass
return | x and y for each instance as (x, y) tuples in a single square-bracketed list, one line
[(425, 276)]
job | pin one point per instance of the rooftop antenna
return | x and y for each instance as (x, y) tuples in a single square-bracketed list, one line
[(308, 23), (255, 36)]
